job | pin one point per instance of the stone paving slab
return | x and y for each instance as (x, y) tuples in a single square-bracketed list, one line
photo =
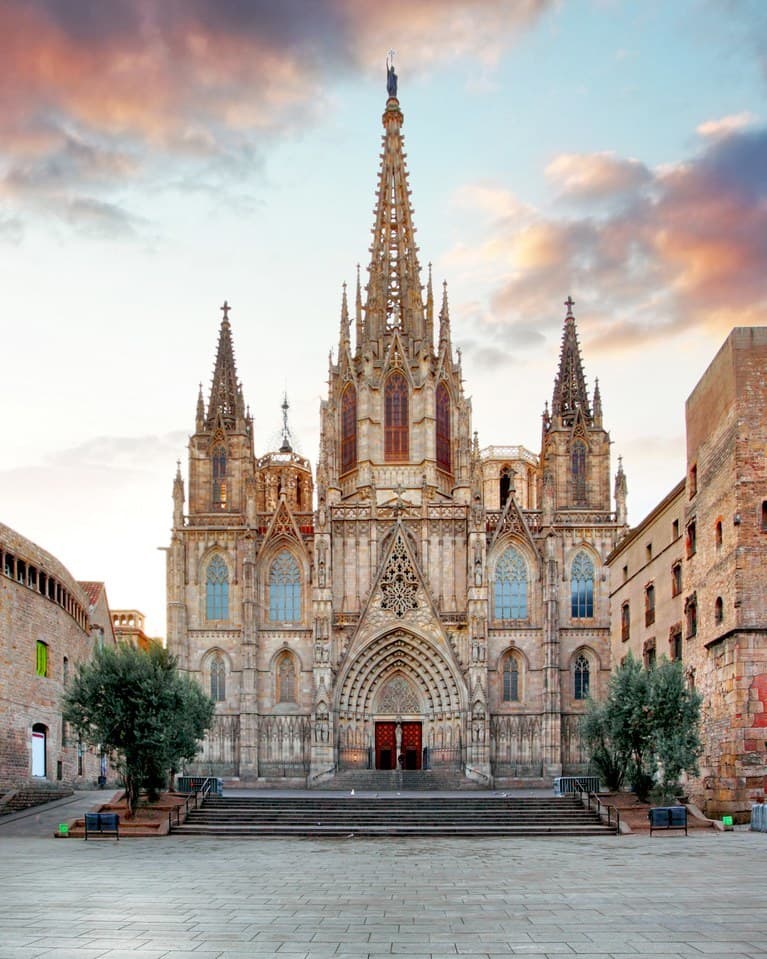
[(205, 898)]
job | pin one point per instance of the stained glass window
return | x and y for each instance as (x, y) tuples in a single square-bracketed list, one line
[(396, 425), (286, 679), (217, 678), (443, 428), (285, 589), (217, 589), (581, 678), (582, 587), (510, 586), (510, 679)]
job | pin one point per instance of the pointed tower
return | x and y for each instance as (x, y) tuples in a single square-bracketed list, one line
[(575, 453)]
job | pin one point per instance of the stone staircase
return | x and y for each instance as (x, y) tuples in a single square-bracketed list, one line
[(345, 816), (24, 797), (398, 780)]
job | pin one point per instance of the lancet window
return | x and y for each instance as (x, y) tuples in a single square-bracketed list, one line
[(284, 589), (217, 678), (286, 679), (510, 586), (443, 428), (396, 419), (578, 465), (582, 587), (581, 677), (217, 589), (219, 478), (505, 485), (511, 679), (348, 429)]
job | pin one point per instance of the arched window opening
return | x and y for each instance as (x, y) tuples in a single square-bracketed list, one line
[(505, 484), (510, 586), (578, 464), (39, 751), (443, 428), (581, 675), (284, 589), (718, 610), (218, 678), (217, 589), (582, 587), (219, 478), (348, 429), (511, 679), (286, 679), (41, 658), (298, 492), (396, 420)]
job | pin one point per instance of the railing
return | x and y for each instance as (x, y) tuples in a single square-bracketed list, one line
[(607, 812), (197, 797)]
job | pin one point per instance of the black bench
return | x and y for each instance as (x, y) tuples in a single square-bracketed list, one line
[(668, 817), (102, 824)]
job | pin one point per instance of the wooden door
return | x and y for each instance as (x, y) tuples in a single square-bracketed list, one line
[(386, 746), (411, 745)]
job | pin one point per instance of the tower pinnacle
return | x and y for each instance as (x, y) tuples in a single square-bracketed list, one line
[(225, 392), (286, 446), (570, 393)]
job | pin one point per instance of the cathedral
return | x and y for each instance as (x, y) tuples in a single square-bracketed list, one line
[(421, 602)]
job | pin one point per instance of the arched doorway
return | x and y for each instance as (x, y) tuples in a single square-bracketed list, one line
[(39, 758)]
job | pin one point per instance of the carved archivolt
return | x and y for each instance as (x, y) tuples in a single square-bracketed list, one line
[(410, 658)]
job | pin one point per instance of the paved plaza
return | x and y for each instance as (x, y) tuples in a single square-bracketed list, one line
[(200, 898)]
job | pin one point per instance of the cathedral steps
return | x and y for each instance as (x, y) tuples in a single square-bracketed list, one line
[(389, 816), (398, 780)]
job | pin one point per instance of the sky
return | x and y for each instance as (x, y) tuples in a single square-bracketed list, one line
[(157, 158)]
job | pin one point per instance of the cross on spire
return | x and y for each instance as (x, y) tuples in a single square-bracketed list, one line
[(569, 303), (225, 309)]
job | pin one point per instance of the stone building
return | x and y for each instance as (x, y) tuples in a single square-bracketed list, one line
[(708, 541), (48, 624), (429, 603), (128, 626)]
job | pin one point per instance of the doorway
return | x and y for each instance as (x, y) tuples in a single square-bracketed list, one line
[(410, 754)]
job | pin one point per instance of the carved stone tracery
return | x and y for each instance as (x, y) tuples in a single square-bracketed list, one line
[(399, 583)]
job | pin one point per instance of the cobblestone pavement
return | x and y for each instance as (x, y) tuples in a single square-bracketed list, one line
[(200, 898)]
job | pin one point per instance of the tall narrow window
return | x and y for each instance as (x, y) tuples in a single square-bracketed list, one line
[(510, 679), (718, 534), (582, 587), (41, 658), (625, 622), (217, 589), (676, 579), (348, 429), (649, 605), (284, 589), (510, 586), (581, 676), (718, 610), (578, 464), (691, 615), (219, 478), (691, 541), (217, 678), (443, 428), (505, 487), (286, 679), (396, 425)]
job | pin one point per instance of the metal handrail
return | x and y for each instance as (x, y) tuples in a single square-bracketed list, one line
[(583, 791), (198, 797)]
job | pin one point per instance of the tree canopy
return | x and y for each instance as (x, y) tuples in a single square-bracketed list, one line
[(647, 730), (141, 711)]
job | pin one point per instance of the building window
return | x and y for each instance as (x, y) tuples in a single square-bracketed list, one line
[(582, 587), (443, 428), (718, 610), (581, 678), (217, 678), (691, 615), (284, 589), (286, 679), (396, 420), (675, 529), (718, 534), (648, 653), (691, 542), (65, 671), (675, 644), (764, 516), (578, 465), (41, 658), (348, 429), (219, 478), (505, 485), (693, 480), (625, 573), (217, 589), (510, 586), (676, 579), (511, 679), (625, 622), (649, 605)]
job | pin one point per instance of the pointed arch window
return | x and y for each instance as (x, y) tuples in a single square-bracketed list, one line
[(284, 589), (510, 586), (348, 429), (219, 478), (511, 679), (286, 679), (218, 678), (217, 589), (578, 466), (443, 428), (505, 485), (396, 419), (582, 587), (581, 678)]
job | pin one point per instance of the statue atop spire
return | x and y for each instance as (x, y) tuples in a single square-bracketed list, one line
[(570, 393), (226, 399), (286, 446), (391, 76)]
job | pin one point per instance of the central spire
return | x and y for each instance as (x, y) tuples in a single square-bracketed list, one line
[(394, 300), (570, 394), (225, 405)]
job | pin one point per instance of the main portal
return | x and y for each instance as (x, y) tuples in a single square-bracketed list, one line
[(398, 745)]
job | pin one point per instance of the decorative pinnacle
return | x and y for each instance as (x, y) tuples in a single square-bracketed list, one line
[(286, 447), (569, 303), (225, 309)]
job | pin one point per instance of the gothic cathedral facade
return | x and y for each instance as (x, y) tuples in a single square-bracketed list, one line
[(426, 603)]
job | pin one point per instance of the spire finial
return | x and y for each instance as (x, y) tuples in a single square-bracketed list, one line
[(225, 310), (569, 303), (285, 406), (391, 76)]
